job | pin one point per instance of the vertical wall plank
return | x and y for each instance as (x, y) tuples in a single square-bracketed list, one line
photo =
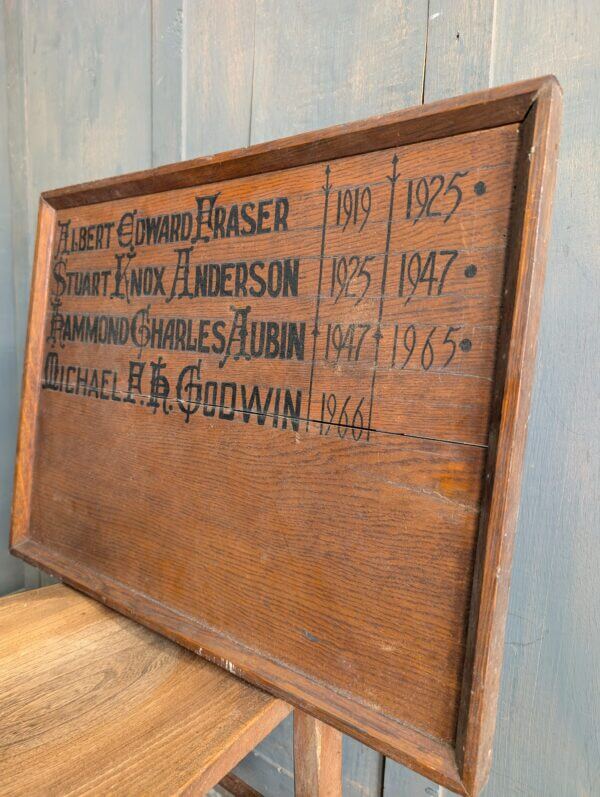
[(548, 739), (321, 62), (20, 214), (79, 107), (14, 14), (402, 782), (11, 570), (86, 70), (459, 47), (167, 81), (217, 75)]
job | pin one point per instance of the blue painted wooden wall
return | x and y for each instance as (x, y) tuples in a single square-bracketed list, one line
[(89, 88)]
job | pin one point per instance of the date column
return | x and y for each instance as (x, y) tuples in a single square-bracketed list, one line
[(347, 330), (443, 299)]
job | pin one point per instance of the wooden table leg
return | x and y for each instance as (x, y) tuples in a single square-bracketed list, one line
[(317, 758)]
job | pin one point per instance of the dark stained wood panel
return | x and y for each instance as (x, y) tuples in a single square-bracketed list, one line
[(261, 414), (277, 577)]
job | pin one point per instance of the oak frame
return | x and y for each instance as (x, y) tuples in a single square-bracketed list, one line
[(536, 106)]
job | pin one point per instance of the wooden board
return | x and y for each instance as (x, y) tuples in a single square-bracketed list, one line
[(91, 703), (275, 406)]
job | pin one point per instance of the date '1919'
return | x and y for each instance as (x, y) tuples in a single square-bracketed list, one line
[(353, 207)]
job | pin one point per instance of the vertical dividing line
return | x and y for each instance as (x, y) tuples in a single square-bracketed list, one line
[(378, 335), (315, 333)]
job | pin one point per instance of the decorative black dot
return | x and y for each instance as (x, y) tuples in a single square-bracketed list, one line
[(170, 406), (465, 344), (479, 188), (471, 270)]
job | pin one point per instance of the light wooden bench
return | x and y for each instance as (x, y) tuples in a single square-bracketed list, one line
[(94, 703)]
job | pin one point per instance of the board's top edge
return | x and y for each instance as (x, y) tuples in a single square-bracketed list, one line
[(514, 99)]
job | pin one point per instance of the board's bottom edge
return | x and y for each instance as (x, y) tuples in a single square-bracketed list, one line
[(434, 759)]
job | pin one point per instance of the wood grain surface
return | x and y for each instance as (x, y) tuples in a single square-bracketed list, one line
[(93, 703), (317, 758), (280, 416)]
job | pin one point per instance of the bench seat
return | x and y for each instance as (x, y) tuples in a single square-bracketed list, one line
[(93, 703)]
